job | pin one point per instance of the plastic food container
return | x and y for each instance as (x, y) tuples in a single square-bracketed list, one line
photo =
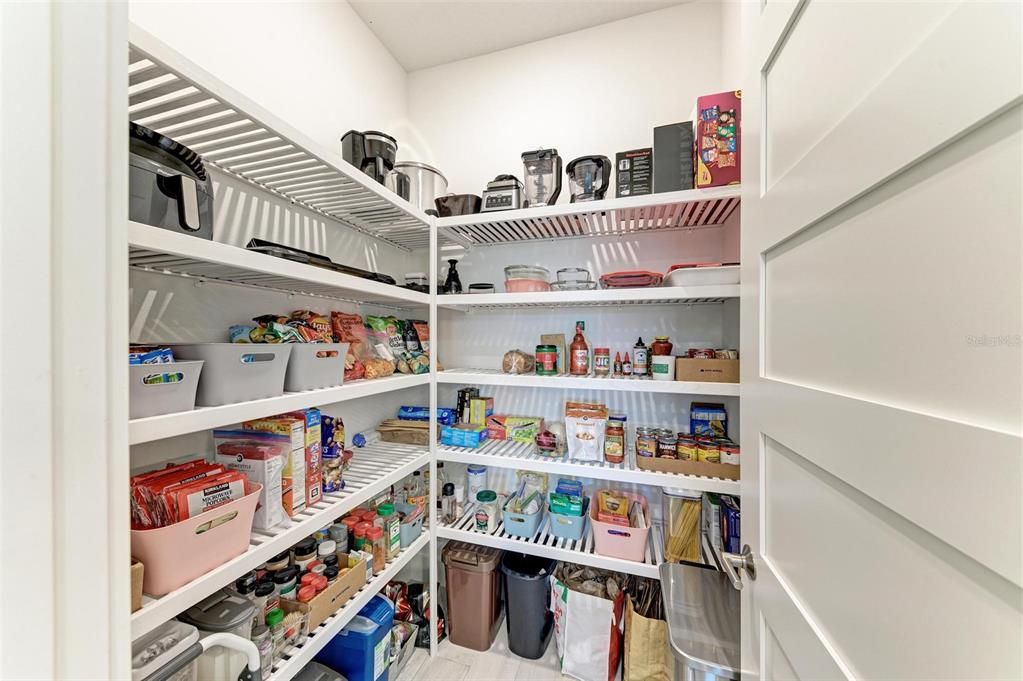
[(574, 286), (521, 524), (416, 278), (150, 393), (237, 372), (526, 286), (701, 274), (163, 644), (177, 554), (409, 532), (315, 365), (570, 526), (617, 541), (221, 612), (682, 518), (573, 275), (527, 272)]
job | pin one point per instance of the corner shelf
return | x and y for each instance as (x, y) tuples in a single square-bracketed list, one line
[(666, 295), (690, 209), (563, 381)]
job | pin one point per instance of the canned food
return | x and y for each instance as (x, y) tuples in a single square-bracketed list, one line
[(730, 454), (709, 452), (666, 445), (546, 360), (646, 442), (685, 449)]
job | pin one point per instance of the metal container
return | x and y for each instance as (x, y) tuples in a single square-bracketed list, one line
[(426, 183), (703, 613)]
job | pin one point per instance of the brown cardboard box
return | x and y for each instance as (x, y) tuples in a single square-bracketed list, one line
[(137, 572), (726, 471), (331, 599), (707, 370)]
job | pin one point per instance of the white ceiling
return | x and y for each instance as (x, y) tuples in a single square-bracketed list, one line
[(428, 32)]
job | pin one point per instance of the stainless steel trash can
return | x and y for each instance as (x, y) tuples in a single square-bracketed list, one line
[(702, 610)]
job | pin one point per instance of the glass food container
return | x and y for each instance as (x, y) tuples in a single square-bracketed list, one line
[(526, 279), (682, 509)]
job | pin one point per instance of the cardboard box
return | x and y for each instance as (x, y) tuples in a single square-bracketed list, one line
[(480, 408), (635, 172), (725, 471), (293, 473), (235, 453), (333, 598), (137, 573), (718, 139), (313, 469), (673, 157), (463, 435), (707, 370), (515, 428)]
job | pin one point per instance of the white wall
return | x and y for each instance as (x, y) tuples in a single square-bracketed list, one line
[(314, 64), (596, 91)]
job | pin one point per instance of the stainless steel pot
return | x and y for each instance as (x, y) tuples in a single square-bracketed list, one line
[(426, 183)]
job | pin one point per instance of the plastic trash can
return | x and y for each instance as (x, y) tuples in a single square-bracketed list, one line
[(527, 591), (362, 649), (315, 671), (474, 594)]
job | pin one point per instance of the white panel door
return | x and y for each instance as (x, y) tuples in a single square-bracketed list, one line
[(881, 313)]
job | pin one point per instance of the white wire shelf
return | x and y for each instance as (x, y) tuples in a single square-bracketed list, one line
[(373, 468), (173, 96), (299, 655), (162, 251), (667, 295), (545, 544), (686, 210), (567, 382), (526, 456), (204, 418)]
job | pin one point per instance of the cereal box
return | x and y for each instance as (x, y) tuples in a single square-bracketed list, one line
[(293, 474), (718, 132), (313, 444)]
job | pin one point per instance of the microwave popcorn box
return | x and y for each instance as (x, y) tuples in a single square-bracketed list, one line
[(718, 146), (479, 409), (463, 435), (514, 428), (707, 370), (634, 172), (313, 448), (293, 473)]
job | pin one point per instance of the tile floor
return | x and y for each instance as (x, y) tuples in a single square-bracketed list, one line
[(454, 663)]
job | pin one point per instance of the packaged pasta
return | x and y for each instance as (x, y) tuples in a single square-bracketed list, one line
[(682, 510)]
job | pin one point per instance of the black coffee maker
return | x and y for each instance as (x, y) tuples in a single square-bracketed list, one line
[(370, 151)]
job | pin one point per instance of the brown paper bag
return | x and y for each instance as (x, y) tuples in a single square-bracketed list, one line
[(648, 654)]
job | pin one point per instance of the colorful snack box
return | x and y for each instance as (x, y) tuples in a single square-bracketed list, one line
[(708, 418), (514, 428), (718, 148), (313, 463), (293, 474)]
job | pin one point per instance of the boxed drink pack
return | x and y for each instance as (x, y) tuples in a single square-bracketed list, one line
[(718, 149), (293, 473), (313, 444), (635, 172)]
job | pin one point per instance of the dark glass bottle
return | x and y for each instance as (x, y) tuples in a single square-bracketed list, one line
[(452, 284)]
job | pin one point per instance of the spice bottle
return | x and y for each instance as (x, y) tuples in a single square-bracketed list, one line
[(392, 529), (627, 366), (579, 352), (618, 364), (375, 537), (640, 359)]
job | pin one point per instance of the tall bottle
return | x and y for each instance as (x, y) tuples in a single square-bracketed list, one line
[(453, 284), (579, 352), (640, 359)]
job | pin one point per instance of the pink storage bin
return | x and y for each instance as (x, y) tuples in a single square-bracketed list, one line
[(618, 541), (177, 554)]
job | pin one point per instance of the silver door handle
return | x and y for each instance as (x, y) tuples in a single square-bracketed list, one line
[(732, 563)]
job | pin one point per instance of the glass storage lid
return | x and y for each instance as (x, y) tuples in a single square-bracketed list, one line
[(573, 274)]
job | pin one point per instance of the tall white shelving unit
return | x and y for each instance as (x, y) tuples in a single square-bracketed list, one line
[(250, 145)]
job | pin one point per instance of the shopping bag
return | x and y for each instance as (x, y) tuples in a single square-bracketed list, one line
[(647, 648), (582, 632)]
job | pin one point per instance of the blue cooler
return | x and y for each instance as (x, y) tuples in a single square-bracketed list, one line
[(362, 649)]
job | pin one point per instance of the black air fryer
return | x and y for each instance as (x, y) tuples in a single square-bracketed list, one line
[(168, 185), (370, 151)]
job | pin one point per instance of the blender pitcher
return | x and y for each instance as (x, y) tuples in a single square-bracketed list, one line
[(589, 178), (541, 172)]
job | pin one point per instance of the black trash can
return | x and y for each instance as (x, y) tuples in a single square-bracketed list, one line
[(527, 598)]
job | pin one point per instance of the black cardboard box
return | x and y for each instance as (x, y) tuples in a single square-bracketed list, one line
[(634, 175), (673, 157)]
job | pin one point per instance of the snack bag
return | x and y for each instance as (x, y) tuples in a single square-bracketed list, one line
[(585, 423), (348, 328), (387, 337)]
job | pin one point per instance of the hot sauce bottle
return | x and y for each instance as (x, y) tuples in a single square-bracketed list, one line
[(579, 352), (617, 365), (627, 366)]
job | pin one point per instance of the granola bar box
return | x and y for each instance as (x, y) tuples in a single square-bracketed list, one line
[(718, 144)]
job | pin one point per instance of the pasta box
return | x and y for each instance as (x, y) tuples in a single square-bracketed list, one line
[(718, 132)]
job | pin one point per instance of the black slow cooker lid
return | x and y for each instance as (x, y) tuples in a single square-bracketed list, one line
[(164, 150)]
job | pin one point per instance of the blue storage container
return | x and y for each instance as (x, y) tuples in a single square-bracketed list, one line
[(569, 526), (361, 650), (521, 524)]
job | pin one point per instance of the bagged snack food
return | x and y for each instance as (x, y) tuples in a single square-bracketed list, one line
[(192, 498), (149, 506), (517, 362), (423, 331), (585, 423), (348, 328), (414, 363), (387, 336), (378, 368), (314, 327)]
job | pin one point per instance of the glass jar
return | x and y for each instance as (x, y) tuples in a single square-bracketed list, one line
[(546, 360), (377, 542), (614, 442), (392, 529), (275, 623), (601, 361), (682, 510), (685, 448), (486, 511), (646, 442), (361, 529), (666, 445), (661, 346), (305, 552)]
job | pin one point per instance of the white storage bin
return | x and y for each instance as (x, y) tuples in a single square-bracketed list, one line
[(315, 365), (237, 372), (152, 399), (702, 276)]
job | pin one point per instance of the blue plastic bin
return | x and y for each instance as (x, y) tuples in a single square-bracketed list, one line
[(361, 650), (521, 524), (409, 532), (569, 526)]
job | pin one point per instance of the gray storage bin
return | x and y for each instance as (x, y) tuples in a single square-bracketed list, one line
[(152, 399), (569, 526), (237, 372), (315, 365), (521, 524), (409, 531)]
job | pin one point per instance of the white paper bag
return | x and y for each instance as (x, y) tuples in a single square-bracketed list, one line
[(582, 626)]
